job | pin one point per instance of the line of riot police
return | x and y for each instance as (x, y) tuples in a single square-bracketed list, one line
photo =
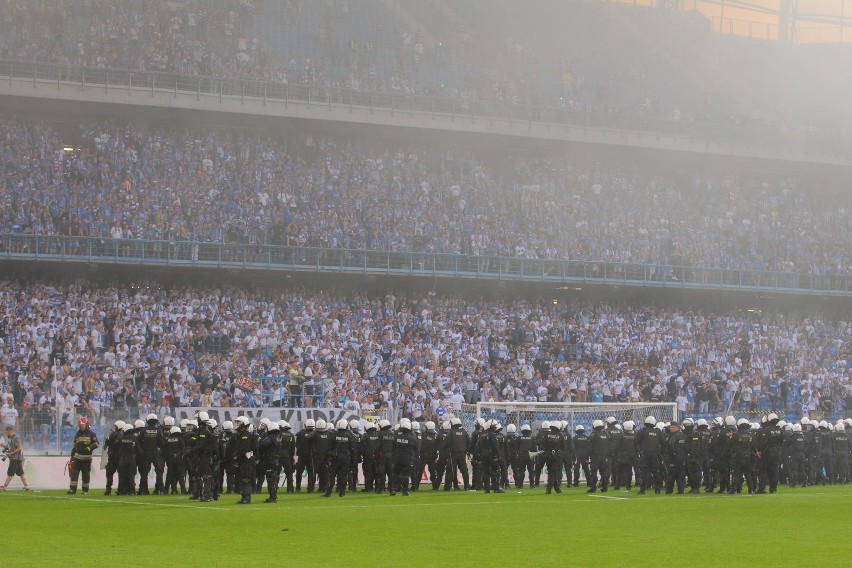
[(201, 458)]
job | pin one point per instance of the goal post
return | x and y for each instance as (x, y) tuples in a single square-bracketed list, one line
[(534, 413)]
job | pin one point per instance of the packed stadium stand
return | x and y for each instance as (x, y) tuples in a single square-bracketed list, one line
[(147, 196)]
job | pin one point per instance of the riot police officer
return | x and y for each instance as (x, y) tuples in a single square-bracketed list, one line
[(175, 463), (150, 444), (429, 455), (304, 456), (342, 451), (650, 443), (458, 446), (245, 451), (384, 462), (205, 453), (111, 449), (402, 456), (742, 454), (355, 429), (582, 452), (599, 455), (287, 453), (269, 450), (126, 461), (553, 445), (525, 447), (369, 455)]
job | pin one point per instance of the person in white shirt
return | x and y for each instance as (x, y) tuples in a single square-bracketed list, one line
[(456, 401), (9, 414), (682, 402)]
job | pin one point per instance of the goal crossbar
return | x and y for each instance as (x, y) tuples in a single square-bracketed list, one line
[(574, 413)]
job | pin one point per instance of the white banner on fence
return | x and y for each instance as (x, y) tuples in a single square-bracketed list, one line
[(295, 416)]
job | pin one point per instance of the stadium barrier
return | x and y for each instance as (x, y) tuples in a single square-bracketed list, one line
[(295, 416), (373, 262), (405, 104)]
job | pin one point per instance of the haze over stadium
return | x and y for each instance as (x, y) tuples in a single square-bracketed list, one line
[(493, 245)]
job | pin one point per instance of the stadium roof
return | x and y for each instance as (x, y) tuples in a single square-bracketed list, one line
[(797, 21)]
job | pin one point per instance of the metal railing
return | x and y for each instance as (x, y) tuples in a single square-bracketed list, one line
[(809, 143), (253, 256), (308, 393)]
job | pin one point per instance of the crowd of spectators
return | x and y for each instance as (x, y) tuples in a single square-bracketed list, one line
[(79, 349), (669, 68), (208, 185)]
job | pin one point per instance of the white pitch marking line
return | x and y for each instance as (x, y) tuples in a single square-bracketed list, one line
[(608, 497), (122, 502), (338, 507), (403, 505)]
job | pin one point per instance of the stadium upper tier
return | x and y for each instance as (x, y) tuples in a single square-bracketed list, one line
[(75, 346), (219, 186), (582, 57)]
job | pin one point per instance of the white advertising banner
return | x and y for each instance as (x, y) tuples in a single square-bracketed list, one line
[(295, 416)]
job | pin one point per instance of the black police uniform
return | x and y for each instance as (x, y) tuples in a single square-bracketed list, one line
[(288, 450), (770, 445), (649, 443), (794, 447), (111, 449), (540, 460), (354, 461), (487, 456), (205, 452), (126, 463), (582, 453), (826, 450), (704, 457), (369, 455), (625, 459), (841, 457), (502, 463), (553, 445), (269, 453), (429, 457), (742, 454), (190, 438), (320, 449), (245, 454), (150, 444), (512, 454), (694, 471), (600, 448), (384, 461), (525, 445), (615, 435), (175, 463), (341, 453), (225, 473), (417, 466), (402, 456), (305, 463), (458, 446), (676, 461)]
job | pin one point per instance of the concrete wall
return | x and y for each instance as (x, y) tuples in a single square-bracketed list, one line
[(55, 90)]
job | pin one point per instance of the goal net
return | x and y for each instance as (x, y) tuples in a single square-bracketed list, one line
[(534, 413)]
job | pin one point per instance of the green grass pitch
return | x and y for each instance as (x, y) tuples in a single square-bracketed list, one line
[(796, 527)]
